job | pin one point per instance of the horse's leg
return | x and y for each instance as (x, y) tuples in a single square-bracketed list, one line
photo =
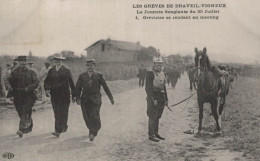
[(215, 112), (194, 84), (222, 103), (190, 84), (200, 102)]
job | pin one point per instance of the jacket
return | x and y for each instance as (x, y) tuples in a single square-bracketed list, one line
[(60, 83), (23, 79), (88, 88), (151, 94)]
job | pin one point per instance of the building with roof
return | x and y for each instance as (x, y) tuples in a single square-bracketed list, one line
[(118, 51)]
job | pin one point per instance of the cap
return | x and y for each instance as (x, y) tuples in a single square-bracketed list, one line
[(21, 58), (92, 61)]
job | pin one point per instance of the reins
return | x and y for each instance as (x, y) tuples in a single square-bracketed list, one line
[(182, 100)]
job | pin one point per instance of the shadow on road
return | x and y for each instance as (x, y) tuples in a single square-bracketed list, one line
[(66, 145)]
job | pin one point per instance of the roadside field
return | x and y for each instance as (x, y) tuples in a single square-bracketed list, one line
[(242, 118)]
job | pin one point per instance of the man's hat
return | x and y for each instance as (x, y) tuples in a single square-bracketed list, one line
[(21, 58), (31, 62), (90, 61), (58, 56), (47, 63)]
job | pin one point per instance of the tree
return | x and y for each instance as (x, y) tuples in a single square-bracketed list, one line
[(147, 54)]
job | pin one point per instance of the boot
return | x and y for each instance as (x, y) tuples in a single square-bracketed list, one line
[(159, 137), (153, 138), (20, 133), (56, 134), (91, 137)]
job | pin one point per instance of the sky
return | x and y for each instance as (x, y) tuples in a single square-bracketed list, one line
[(48, 26)]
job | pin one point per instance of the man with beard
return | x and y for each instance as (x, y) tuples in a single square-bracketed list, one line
[(24, 82), (156, 98), (58, 84), (89, 97)]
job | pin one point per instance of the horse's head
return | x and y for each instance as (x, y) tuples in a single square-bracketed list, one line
[(202, 62), (201, 59)]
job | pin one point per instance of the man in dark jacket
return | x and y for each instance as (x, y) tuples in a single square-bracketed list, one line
[(141, 74), (156, 98), (89, 97), (23, 82), (58, 84)]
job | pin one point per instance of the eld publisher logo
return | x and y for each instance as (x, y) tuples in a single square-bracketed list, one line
[(8, 155)]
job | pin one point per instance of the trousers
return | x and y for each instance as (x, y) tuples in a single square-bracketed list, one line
[(153, 126), (91, 115), (61, 113), (24, 102), (141, 81), (155, 113)]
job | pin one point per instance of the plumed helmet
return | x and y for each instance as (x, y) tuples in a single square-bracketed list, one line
[(157, 59)]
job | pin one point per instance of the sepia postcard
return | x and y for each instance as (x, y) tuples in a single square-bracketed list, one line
[(116, 80)]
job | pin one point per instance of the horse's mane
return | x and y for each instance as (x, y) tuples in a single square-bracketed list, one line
[(208, 61)]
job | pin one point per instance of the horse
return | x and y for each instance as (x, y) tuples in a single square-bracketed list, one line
[(208, 86)]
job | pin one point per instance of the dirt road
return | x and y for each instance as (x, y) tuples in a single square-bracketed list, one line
[(123, 135)]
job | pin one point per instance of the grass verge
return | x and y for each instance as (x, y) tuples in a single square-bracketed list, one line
[(242, 118)]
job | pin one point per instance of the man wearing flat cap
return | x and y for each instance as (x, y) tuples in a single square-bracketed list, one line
[(59, 84), (89, 97), (24, 82), (31, 66)]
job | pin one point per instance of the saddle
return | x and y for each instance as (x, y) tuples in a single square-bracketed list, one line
[(223, 79)]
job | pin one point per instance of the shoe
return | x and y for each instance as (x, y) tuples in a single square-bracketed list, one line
[(159, 137), (20, 133), (153, 138), (91, 137), (56, 134)]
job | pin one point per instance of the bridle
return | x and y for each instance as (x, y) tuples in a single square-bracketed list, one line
[(200, 78)]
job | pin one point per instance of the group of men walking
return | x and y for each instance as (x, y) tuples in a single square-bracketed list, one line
[(59, 86)]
